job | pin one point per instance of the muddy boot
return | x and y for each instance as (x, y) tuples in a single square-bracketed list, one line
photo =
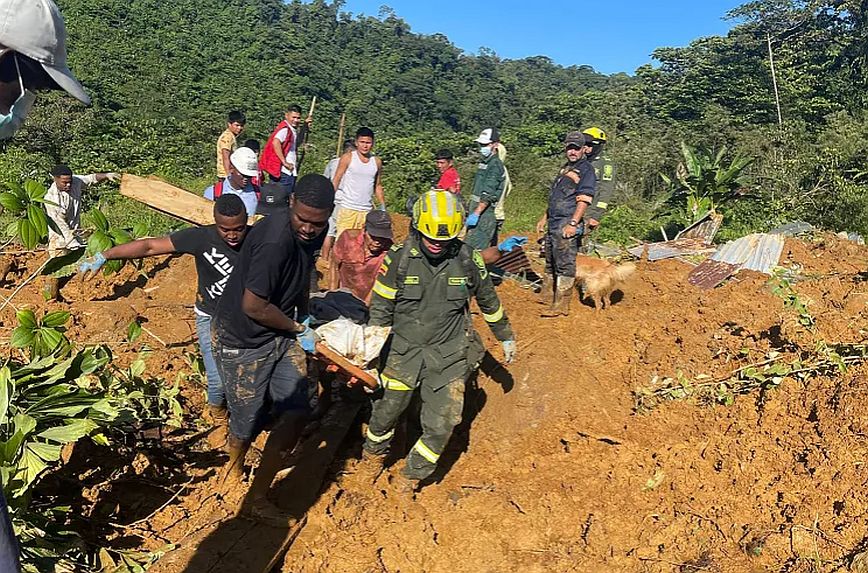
[(220, 420), (403, 486), (554, 308), (233, 472), (369, 468), (547, 292), (566, 298), (51, 289)]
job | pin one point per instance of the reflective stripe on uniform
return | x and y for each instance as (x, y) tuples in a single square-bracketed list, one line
[(494, 316), (379, 439), (426, 452), (384, 291), (393, 384), (602, 205)]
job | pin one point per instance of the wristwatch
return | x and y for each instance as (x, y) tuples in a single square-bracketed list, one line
[(574, 223)]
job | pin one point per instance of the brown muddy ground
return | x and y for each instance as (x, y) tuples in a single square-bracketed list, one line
[(553, 469)]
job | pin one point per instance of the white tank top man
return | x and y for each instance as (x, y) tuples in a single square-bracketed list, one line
[(356, 182)]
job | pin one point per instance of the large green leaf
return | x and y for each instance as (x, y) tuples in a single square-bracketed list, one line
[(22, 337), (49, 340), (55, 319), (72, 431), (99, 220), (24, 424), (38, 219), (28, 234), (48, 452), (26, 317), (34, 189), (11, 202), (6, 390), (31, 465), (98, 242)]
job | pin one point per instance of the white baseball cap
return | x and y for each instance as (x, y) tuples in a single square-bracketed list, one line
[(34, 28), (244, 160), (488, 135)]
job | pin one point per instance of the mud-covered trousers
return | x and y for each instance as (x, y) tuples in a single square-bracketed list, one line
[(560, 252), (441, 412), (262, 383)]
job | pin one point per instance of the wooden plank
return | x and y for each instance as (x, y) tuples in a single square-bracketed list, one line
[(168, 199)]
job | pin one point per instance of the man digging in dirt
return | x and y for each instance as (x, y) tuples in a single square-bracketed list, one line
[(423, 292), (571, 193), (215, 249), (260, 339)]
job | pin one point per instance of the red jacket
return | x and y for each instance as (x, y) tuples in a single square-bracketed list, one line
[(268, 160)]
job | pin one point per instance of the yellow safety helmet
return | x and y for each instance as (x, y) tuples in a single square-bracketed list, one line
[(596, 135), (438, 215)]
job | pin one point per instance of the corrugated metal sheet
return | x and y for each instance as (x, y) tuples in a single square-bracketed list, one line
[(709, 273), (671, 249), (706, 228), (758, 252)]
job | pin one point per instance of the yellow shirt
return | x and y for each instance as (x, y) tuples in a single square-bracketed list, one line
[(225, 141)]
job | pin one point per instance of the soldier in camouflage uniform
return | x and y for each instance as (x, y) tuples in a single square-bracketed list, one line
[(423, 292)]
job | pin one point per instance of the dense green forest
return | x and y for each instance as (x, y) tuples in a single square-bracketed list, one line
[(164, 74)]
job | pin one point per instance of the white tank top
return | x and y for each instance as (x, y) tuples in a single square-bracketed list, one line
[(357, 184)]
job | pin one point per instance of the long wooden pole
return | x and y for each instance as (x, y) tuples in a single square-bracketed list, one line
[(302, 136), (774, 79)]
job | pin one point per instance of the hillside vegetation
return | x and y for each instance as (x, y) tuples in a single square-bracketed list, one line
[(164, 74)]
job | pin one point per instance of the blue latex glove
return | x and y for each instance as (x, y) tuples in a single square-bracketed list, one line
[(511, 243), (307, 337), (93, 264), (472, 220), (509, 350)]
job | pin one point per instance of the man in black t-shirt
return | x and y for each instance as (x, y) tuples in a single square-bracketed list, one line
[(215, 248), (259, 342)]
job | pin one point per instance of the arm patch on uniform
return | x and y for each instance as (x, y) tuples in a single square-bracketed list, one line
[(480, 264)]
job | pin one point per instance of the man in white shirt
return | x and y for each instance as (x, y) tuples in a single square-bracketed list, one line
[(63, 205)]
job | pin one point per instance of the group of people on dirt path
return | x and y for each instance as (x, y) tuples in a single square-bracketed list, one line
[(255, 281)]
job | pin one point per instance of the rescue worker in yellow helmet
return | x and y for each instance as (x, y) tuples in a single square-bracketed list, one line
[(606, 172), (423, 292)]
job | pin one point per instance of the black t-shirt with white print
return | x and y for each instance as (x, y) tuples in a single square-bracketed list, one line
[(214, 262)]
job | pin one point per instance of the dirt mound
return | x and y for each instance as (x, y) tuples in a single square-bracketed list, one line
[(553, 468)]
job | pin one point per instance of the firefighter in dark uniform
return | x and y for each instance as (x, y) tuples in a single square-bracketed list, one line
[(604, 170), (423, 292), (571, 193)]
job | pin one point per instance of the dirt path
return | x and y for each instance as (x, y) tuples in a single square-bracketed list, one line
[(556, 471)]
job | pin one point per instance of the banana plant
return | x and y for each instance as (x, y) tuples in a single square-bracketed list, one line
[(707, 181), (26, 203)]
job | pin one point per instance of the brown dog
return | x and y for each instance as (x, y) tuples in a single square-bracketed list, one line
[(599, 278)]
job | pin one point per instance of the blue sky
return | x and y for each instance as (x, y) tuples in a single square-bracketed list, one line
[(628, 30)]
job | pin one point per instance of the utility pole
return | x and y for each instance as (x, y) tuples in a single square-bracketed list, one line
[(774, 78)]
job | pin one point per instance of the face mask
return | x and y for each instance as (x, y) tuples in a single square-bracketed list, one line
[(485, 151), (12, 121)]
